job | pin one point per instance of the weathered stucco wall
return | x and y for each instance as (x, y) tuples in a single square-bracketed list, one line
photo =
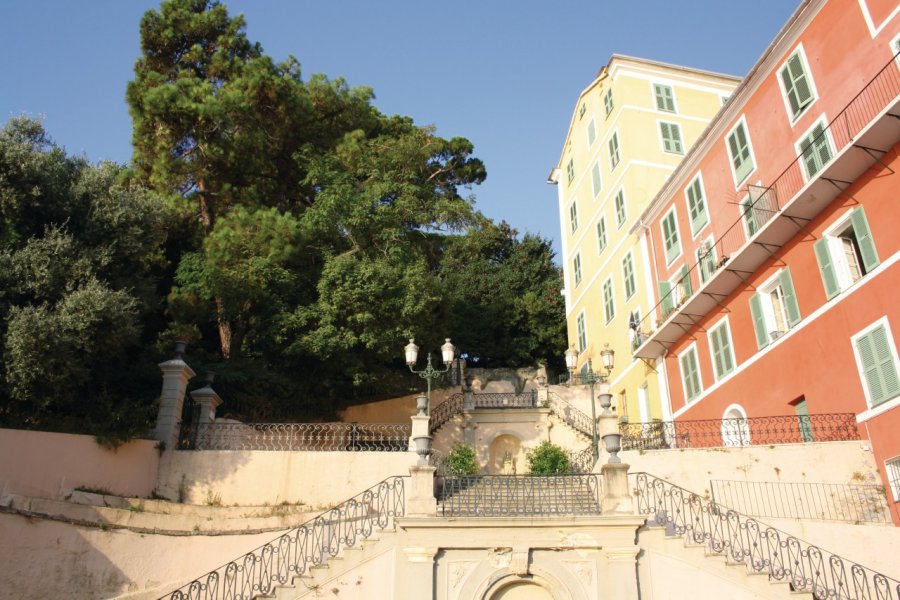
[(49, 465), (244, 477)]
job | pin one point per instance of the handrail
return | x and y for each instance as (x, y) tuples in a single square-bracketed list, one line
[(293, 553), (766, 202), (761, 548), (570, 415), (445, 411), (306, 437), (735, 433)]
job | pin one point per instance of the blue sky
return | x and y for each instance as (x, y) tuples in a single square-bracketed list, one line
[(503, 73)]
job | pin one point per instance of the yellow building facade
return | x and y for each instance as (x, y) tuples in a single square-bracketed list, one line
[(631, 127)]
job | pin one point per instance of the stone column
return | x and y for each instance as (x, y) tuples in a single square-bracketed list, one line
[(620, 581), (414, 577), (208, 401), (616, 498), (175, 374), (420, 500)]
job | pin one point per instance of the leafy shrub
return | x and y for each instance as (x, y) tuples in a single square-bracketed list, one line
[(461, 460), (548, 459)]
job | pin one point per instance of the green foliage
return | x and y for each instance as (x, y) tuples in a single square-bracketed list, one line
[(461, 460), (548, 459)]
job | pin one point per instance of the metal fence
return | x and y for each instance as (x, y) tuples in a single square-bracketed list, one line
[(506, 400), (582, 461), (295, 552), (731, 433), (766, 201), (763, 549), (307, 437), (519, 495), (570, 415), (443, 412), (823, 501)]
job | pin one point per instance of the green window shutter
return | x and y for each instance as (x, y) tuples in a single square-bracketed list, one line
[(608, 102), (570, 169), (614, 151), (864, 239), (628, 275), (691, 376), (790, 297), (879, 369), (601, 234), (573, 216), (721, 342), (697, 206), (595, 178), (591, 133), (826, 266), (796, 85), (759, 321), (664, 98), (671, 136), (620, 208), (665, 296), (684, 278), (608, 305), (802, 411), (816, 150), (740, 153), (670, 236)]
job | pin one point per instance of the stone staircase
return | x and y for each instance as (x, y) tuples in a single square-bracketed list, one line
[(518, 495)]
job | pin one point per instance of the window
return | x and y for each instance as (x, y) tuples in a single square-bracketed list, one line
[(846, 253), (665, 98), (628, 275), (570, 169), (725, 100), (670, 236), (582, 110), (805, 425), (672, 293), (609, 306), (690, 374), (877, 360), (683, 289), (739, 149), (595, 179), (614, 150), (573, 216), (608, 101), (774, 308), (671, 137), (576, 266), (601, 234), (892, 468), (756, 212), (582, 333), (706, 259), (634, 329), (796, 84), (591, 133), (720, 349), (620, 208), (815, 149), (696, 205)]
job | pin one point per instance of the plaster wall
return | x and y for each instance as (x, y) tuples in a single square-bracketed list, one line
[(50, 465), (316, 479), (392, 410), (693, 468)]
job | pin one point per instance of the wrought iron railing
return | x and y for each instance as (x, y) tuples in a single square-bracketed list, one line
[(763, 549), (293, 553), (766, 201), (582, 461), (755, 431), (308, 437), (445, 411), (570, 415), (506, 400), (824, 501), (519, 495)]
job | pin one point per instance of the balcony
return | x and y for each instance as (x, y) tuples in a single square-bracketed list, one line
[(859, 136)]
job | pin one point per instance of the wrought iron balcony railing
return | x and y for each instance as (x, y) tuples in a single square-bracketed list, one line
[(519, 495), (306, 437), (295, 552), (755, 431), (765, 202), (452, 406), (763, 549)]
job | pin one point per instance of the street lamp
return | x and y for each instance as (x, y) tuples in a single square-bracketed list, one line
[(607, 356), (428, 373)]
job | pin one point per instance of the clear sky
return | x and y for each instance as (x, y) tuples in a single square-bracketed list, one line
[(503, 73)]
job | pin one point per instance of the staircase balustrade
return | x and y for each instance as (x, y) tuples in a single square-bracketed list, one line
[(295, 552), (763, 549), (519, 495)]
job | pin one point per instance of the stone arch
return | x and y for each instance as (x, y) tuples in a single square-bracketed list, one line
[(522, 590), (505, 455), (548, 575), (735, 427)]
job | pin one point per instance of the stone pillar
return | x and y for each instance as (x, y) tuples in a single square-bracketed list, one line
[(420, 422), (420, 500), (616, 498), (468, 398), (175, 374), (620, 581), (414, 577), (209, 401)]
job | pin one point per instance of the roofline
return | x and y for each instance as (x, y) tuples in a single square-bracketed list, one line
[(665, 65)]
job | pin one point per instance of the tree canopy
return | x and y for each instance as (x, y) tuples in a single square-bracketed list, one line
[(291, 231)]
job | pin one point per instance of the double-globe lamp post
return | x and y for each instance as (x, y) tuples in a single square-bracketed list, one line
[(428, 373), (607, 356)]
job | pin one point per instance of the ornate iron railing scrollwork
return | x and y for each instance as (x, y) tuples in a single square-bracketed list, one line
[(519, 495), (307, 437), (582, 461), (505, 400), (570, 415), (308, 545), (731, 433), (761, 548), (443, 412)]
